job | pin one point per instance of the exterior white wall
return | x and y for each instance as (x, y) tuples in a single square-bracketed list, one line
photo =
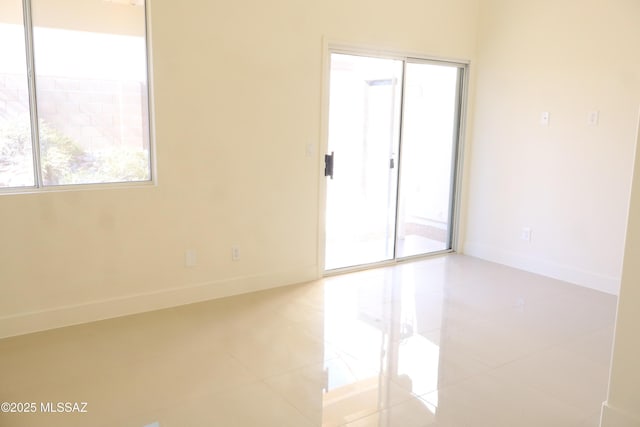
[(569, 182), (81, 15)]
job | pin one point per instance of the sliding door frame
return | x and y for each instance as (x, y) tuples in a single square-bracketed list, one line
[(330, 48)]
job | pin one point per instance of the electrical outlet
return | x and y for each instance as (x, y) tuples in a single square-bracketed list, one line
[(544, 118), (190, 258), (235, 253), (525, 234)]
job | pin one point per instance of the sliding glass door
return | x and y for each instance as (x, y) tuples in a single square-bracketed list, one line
[(429, 135), (391, 162), (364, 128)]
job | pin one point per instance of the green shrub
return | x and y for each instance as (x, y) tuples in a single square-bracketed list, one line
[(64, 162)]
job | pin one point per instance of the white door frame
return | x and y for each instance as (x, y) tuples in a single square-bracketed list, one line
[(330, 47)]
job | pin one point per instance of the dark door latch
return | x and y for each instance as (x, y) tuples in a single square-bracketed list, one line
[(328, 165)]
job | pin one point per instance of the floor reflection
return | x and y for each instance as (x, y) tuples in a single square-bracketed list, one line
[(450, 341), (375, 329), (433, 342)]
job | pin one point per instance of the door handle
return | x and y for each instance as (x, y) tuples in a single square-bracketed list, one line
[(328, 165), (392, 163)]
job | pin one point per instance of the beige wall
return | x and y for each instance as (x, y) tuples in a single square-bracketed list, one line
[(238, 98), (622, 408), (568, 182)]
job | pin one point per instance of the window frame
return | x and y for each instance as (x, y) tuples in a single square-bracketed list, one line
[(39, 186)]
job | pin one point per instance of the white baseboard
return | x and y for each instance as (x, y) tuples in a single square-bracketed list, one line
[(614, 417), (24, 323), (608, 284)]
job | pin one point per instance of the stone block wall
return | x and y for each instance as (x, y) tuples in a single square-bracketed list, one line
[(96, 114)]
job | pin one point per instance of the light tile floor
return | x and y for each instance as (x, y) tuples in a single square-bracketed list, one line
[(450, 341)]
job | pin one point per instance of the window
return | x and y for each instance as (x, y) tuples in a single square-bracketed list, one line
[(82, 115)]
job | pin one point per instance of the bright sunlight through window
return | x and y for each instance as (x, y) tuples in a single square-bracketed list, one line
[(84, 117)]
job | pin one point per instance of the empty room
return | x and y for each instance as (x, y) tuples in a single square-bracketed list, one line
[(339, 213)]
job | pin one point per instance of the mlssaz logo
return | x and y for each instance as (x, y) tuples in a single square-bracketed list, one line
[(64, 407)]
